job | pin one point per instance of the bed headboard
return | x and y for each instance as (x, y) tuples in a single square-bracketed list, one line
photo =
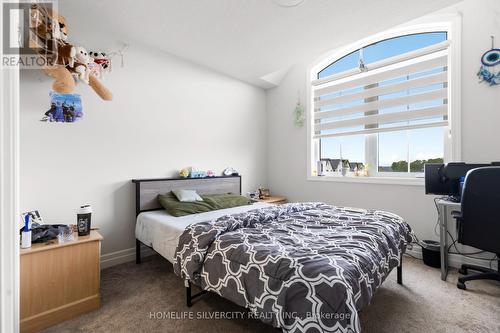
[(147, 190)]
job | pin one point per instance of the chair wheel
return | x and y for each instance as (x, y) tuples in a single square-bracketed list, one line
[(461, 285), (463, 271)]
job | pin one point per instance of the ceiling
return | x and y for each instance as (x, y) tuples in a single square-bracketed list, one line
[(255, 41)]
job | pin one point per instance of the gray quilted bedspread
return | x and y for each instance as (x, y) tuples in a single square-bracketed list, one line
[(303, 267)]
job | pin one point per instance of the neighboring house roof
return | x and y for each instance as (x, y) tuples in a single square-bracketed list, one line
[(334, 162), (354, 165)]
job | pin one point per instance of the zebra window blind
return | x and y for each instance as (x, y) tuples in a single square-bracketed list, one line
[(408, 91)]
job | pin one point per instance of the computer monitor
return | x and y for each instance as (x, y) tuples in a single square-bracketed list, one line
[(444, 179), (433, 183)]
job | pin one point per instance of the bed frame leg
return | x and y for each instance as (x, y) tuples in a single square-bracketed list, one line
[(137, 251), (189, 301), (190, 297), (400, 271)]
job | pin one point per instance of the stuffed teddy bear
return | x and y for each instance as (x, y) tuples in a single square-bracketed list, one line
[(100, 89), (64, 82), (80, 67)]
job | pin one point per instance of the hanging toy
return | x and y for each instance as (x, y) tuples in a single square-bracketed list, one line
[(49, 32), (99, 64), (80, 68), (490, 59), (299, 114), (486, 76)]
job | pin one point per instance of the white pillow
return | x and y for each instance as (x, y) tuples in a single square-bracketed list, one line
[(187, 195)]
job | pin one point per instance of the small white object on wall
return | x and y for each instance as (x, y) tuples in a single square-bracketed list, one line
[(288, 3)]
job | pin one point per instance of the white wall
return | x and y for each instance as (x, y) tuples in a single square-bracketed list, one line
[(480, 122), (166, 114)]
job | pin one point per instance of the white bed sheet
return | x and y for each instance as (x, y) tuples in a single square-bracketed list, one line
[(161, 231)]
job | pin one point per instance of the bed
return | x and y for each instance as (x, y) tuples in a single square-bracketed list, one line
[(161, 231), (301, 267)]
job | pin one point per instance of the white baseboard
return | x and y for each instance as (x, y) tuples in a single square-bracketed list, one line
[(127, 255), (123, 256), (455, 260)]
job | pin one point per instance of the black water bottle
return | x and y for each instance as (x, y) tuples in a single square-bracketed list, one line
[(83, 216)]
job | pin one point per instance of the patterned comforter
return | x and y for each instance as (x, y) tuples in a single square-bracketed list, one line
[(304, 267)]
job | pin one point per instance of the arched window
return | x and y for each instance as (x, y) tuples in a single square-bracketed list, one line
[(382, 107), (382, 50)]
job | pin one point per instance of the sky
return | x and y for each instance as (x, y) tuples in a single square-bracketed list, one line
[(393, 146)]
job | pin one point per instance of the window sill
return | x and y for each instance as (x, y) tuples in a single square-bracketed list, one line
[(412, 181)]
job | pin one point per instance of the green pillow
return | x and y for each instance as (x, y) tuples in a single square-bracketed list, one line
[(210, 202), (226, 200), (178, 208)]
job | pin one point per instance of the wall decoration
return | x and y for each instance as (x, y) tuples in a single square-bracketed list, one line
[(489, 60), (71, 64), (299, 113), (118, 53), (65, 108), (32, 217)]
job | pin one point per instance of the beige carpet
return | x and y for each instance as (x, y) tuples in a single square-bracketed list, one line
[(132, 293)]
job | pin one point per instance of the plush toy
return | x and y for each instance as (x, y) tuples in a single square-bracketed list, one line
[(229, 171), (99, 63), (63, 80), (184, 173), (49, 36), (101, 59), (100, 89), (197, 174), (80, 68), (210, 173)]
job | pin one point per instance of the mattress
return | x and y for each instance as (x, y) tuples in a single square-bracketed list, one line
[(161, 231)]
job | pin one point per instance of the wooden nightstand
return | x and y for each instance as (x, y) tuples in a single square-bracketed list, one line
[(277, 200), (59, 281)]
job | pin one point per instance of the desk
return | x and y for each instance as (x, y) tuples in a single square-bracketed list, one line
[(445, 207)]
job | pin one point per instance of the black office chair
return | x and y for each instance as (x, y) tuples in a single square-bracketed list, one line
[(479, 220)]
